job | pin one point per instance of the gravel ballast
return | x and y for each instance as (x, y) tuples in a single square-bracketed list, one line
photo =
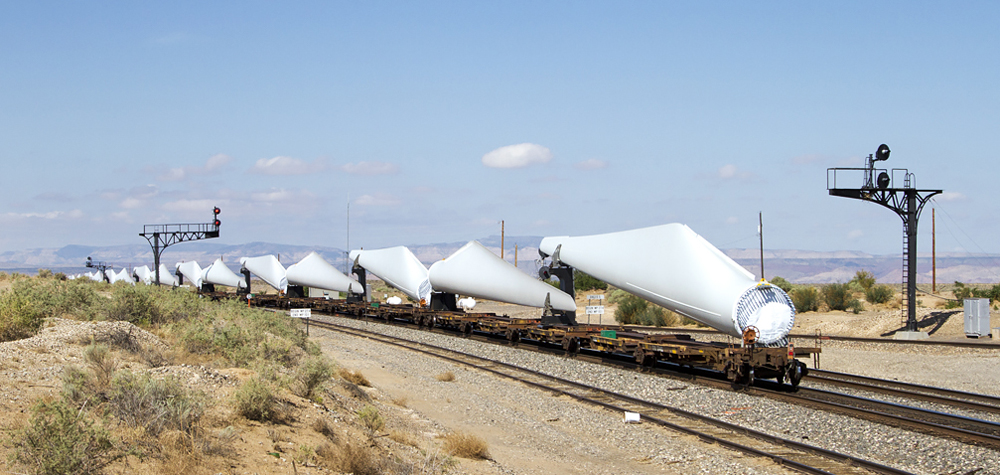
[(876, 442)]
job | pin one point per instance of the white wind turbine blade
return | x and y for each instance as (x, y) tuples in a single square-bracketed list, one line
[(191, 271), (314, 271), (399, 268), (219, 274), (268, 269), (476, 271), (674, 267)]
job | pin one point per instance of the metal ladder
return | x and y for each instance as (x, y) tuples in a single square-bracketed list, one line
[(904, 305)]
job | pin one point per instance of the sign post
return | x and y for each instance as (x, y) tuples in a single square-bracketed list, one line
[(301, 313), (595, 309)]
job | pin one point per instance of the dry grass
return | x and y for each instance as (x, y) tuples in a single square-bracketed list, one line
[(322, 426), (359, 459), (446, 377), (461, 444), (401, 400), (101, 363), (354, 377), (404, 438)]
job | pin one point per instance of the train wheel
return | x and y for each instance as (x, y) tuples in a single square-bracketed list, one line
[(796, 371), (744, 375), (513, 336), (430, 322), (466, 329), (571, 345), (642, 358)]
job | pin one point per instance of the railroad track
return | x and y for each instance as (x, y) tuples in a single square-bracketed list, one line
[(948, 397), (791, 454), (935, 423), (980, 343)]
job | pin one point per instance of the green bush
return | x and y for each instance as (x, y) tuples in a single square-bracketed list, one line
[(134, 304), (879, 293), (20, 316), (781, 283), (634, 310), (371, 418), (139, 400), (61, 440), (256, 401), (244, 336), (583, 282), (805, 298), (615, 295), (629, 309), (963, 292), (310, 374), (864, 279), (839, 297)]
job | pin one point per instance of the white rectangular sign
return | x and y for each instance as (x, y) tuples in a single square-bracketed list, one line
[(300, 313), (595, 309), (595, 297)]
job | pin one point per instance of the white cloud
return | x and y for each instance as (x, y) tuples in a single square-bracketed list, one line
[(950, 196), (378, 199), (217, 161), (72, 214), (517, 156), (370, 168), (732, 172), (204, 206), (591, 164), (272, 196), (131, 203), (857, 233), (214, 163), (285, 166)]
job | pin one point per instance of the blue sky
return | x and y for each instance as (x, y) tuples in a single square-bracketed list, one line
[(436, 120)]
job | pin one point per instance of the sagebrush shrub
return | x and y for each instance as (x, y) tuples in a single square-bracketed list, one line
[(583, 282), (864, 279), (371, 419), (805, 298), (311, 374), (61, 440), (255, 400), (838, 296), (879, 293)]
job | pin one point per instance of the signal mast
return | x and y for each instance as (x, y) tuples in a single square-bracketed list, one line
[(162, 235), (881, 186)]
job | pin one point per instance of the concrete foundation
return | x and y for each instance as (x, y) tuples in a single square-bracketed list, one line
[(905, 335)]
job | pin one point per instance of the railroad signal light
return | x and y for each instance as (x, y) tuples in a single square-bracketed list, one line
[(216, 211)]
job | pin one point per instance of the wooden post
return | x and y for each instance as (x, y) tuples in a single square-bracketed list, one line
[(501, 239), (760, 231), (933, 253)]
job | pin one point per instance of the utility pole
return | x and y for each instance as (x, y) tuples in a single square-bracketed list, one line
[(760, 232), (933, 252), (501, 239)]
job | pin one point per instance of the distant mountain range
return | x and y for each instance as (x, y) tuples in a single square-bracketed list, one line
[(794, 265)]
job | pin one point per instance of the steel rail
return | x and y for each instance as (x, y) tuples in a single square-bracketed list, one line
[(951, 397), (804, 336), (963, 429), (795, 455)]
